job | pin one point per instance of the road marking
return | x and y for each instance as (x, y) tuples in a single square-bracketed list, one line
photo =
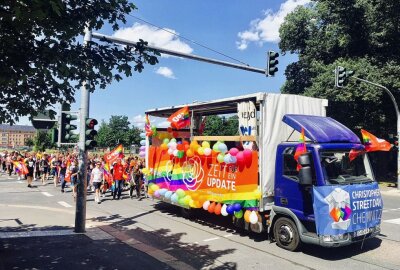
[(47, 194), (38, 207), (389, 210), (35, 233), (228, 235), (20, 182), (64, 204), (393, 221), (210, 239)]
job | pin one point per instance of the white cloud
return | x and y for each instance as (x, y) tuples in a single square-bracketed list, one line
[(267, 29), (166, 72), (139, 120), (154, 36), (163, 124)]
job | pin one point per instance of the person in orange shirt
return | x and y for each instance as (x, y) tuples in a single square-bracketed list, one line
[(118, 172)]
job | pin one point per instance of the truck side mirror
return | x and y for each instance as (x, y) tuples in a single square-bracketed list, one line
[(305, 160), (305, 173), (305, 176)]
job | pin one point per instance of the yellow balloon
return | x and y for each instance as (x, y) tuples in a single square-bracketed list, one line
[(205, 144), (200, 151)]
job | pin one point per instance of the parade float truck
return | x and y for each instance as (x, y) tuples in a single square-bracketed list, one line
[(325, 196)]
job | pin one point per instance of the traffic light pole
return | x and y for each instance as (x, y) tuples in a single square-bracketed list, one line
[(80, 210), (398, 122)]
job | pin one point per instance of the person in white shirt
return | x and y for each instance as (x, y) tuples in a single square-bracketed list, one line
[(96, 179)]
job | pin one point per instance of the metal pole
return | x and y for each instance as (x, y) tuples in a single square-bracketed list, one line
[(59, 128), (398, 122), (180, 54), (80, 212)]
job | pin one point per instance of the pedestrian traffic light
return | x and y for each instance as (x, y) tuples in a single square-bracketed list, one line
[(272, 62), (90, 132), (67, 129)]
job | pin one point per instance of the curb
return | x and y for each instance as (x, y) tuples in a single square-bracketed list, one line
[(393, 192), (149, 250)]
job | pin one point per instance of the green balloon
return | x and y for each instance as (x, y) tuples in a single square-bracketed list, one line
[(239, 214), (180, 154), (220, 158)]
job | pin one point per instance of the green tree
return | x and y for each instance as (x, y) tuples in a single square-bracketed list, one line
[(29, 142), (357, 34), (221, 126), (43, 60), (42, 140), (117, 131)]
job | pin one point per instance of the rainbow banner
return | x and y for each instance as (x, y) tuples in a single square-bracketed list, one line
[(203, 178)]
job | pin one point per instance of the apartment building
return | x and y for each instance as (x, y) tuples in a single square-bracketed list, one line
[(15, 136)]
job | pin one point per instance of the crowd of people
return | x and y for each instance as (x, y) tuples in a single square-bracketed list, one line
[(62, 168)]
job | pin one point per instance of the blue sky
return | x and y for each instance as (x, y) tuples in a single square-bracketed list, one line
[(242, 29)]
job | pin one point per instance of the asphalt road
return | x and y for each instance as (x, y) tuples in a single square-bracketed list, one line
[(205, 242)]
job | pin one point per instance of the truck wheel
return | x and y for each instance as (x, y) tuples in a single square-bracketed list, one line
[(286, 234)]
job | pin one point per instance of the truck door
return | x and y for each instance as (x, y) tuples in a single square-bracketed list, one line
[(288, 192)]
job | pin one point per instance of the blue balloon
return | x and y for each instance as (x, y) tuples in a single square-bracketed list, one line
[(162, 191), (142, 142), (142, 135), (237, 207), (168, 194), (175, 198), (230, 209)]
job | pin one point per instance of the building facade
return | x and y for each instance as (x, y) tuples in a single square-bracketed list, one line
[(15, 136)]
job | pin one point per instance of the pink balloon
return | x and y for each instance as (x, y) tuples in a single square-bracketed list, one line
[(240, 157), (233, 151), (247, 155)]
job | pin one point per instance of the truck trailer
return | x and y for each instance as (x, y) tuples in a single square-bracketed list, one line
[(289, 172)]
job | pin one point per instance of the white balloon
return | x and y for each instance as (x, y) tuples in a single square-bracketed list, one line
[(175, 152), (253, 217), (206, 204), (207, 151), (170, 151), (172, 145), (223, 210)]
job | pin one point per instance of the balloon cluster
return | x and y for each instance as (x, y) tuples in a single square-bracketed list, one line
[(177, 149), (142, 149), (178, 197), (233, 156), (231, 209)]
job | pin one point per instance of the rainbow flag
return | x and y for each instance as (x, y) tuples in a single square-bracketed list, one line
[(373, 143), (301, 148), (147, 127), (180, 119), (117, 152), (20, 167)]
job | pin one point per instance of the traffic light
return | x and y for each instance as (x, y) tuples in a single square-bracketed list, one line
[(90, 132), (54, 135), (341, 75), (67, 129), (272, 62)]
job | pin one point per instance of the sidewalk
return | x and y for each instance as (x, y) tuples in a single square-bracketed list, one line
[(65, 250)]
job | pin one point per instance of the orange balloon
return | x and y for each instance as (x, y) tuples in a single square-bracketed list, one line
[(189, 153), (217, 209), (247, 215), (211, 208), (164, 147)]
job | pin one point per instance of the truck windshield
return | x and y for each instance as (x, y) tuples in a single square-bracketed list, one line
[(343, 167)]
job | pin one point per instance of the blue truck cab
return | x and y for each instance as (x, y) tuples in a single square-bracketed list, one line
[(328, 196)]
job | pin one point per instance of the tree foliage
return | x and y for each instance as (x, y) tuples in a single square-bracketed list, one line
[(42, 140), (117, 131), (221, 126), (44, 61), (360, 35)]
